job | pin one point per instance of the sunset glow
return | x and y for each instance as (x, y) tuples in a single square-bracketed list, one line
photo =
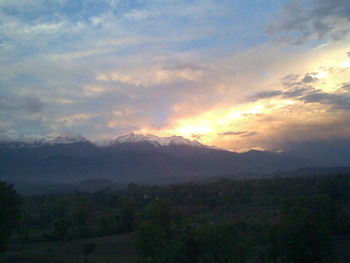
[(184, 69)]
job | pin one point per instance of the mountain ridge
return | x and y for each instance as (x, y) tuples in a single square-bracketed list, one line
[(67, 158), (132, 159), (18, 140)]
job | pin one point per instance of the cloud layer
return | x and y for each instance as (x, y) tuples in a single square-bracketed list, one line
[(302, 21), (237, 74)]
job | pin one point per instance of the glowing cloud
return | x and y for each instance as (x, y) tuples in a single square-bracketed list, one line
[(178, 68)]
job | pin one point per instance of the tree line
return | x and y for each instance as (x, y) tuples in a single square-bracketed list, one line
[(259, 220)]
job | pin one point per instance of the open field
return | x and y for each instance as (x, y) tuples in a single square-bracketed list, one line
[(117, 248)]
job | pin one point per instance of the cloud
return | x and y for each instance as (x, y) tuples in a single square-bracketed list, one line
[(201, 69), (336, 101), (345, 86), (294, 80), (295, 87), (23, 103), (302, 21), (239, 133), (33, 104), (299, 89), (75, 119), (196, 136), (295, 92), (309, 78), (265, 95)]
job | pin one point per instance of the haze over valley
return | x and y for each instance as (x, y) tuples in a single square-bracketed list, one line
[(135, 158)]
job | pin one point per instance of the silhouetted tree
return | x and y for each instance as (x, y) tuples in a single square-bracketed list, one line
[(61, 228), (220, 244), (10, 202), (268, 240), (306, 225), (88, 249)]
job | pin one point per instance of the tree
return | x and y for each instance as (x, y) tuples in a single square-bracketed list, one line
[(267, 237), (88, 249), (125, 218), (160, 236), (306, 228), (80, 214), (167, 236), (61, 228), (220, 244), (10, 203)]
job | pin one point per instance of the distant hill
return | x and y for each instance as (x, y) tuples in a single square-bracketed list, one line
[(307, 171)]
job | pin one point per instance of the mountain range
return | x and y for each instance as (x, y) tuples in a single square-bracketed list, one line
[(64, 158), (13, 139)]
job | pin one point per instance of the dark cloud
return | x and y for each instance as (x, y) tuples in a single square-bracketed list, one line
[(292, 80), (299, 89), (290, 77), (232, 133), (5, 105), (309, 78), (295, 87), (247, 134), (26, 104), (196, 136), (297, 92), (33, 105), (345, 86), (348, 54), (336, 101), (265, 95), (317, 97), (301, 21), (239, 133)]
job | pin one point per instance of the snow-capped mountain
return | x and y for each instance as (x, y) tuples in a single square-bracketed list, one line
[(62, 138), (19, 140), (10, 136), (15, 139), (154, 140), (129, 158)]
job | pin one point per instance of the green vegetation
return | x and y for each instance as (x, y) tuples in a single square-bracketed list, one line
[(10, 203), (88, 249), (273, 220), (115, 248)]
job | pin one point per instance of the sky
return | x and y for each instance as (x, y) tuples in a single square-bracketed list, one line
[(240, 75)]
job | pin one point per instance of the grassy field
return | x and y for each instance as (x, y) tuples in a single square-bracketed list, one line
[(117, 248), (109, 249)]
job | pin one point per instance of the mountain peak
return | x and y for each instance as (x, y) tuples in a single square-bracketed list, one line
[(63, 138), (155, 140), (50, 139), (20, 140)]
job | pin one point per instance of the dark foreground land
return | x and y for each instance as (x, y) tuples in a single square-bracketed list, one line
[(303, 219), (116, 248)]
